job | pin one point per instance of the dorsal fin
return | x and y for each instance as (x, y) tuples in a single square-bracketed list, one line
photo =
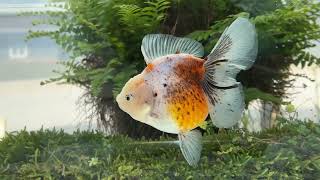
[(157, 45)]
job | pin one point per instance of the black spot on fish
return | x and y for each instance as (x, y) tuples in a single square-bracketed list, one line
[(165, 85), (155, 94)]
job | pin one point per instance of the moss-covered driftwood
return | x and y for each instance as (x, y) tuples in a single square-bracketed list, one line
[(290, 150)]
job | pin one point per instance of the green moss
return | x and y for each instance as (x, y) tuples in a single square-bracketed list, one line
[(291, 150)]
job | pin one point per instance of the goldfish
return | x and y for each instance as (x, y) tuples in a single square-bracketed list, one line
[(179, 88)]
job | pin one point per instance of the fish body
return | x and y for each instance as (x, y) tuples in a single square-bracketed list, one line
[(177, 101), (178, 89)]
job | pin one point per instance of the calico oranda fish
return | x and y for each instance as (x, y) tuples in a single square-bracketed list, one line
[(178, 89)]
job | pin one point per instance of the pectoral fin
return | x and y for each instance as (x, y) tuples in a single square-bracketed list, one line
[(191, 145)]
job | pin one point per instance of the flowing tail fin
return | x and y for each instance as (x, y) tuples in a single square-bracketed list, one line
[(236, 50)]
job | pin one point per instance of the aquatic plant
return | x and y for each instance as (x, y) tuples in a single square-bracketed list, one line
[(289, 151)]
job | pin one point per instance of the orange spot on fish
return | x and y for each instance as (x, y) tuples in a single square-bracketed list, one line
[(150, 67), (193, 112), (191, 68)]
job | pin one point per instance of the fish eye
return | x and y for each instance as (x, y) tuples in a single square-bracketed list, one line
[(128, 97)]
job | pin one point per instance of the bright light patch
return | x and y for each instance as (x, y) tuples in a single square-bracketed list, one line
[(2, 127)]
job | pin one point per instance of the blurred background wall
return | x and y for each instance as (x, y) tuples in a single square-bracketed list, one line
[(24, 103)]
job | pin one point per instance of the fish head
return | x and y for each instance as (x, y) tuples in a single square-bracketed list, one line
[(135, 98)]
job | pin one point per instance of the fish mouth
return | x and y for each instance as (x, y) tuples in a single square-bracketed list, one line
[(117, 98), (119, 101)]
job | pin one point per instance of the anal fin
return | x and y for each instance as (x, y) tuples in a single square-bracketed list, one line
[(191, 145)]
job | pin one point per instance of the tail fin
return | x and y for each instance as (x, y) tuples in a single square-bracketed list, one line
[(236, 50)]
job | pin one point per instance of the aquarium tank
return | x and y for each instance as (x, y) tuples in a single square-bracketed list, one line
[(63, 63)]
